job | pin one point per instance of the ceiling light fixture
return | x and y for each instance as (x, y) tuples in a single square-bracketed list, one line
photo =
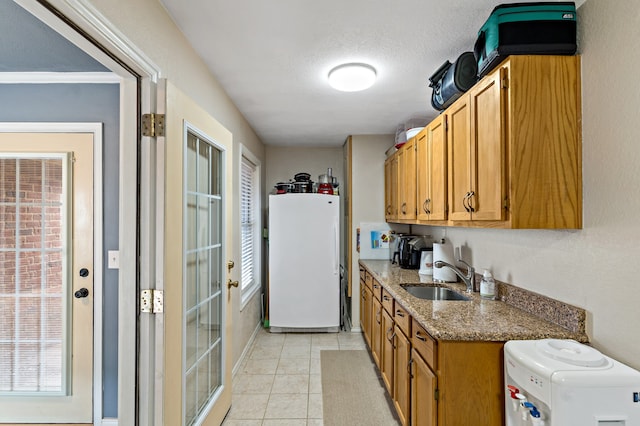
[(352, 77)]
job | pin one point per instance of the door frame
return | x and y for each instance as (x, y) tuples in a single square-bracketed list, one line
[(83, 25)]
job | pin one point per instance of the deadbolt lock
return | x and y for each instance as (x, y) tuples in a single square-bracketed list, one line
[(230, 265)]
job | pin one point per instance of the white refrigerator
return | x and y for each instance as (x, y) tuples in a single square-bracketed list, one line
[(304, 262)]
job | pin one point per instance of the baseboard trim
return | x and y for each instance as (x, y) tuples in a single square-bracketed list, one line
[(247, 347)]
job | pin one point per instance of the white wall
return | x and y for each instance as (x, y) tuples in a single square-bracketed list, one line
[(594, 268), (149, 27), (283, 162)]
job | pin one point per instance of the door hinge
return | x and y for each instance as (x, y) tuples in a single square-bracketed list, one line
[(151, 301), (506, 203), (153, 125), (505, 82), (436, 394)]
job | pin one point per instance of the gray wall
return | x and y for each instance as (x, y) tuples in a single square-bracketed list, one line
[(84, 103)]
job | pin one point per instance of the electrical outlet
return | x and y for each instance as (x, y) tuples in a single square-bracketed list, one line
[(113, 257)]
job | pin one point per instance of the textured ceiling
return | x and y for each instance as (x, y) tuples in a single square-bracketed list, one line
[(272, 57)]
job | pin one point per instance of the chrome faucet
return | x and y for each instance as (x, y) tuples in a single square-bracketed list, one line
[(469, 279)]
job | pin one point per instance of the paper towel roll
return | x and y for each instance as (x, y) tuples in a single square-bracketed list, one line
[(444, 252)]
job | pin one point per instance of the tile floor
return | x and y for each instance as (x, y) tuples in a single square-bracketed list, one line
[(279, 383)]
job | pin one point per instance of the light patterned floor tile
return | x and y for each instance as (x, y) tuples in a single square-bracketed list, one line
[(266, 352), (315, 383), (253, 383), (315, 422), (260, 366), (287, 406), (293, 366), (314, 366), (231, 422), (284, 422), (296, 351), (291, 383), (248, 407), (315, 406)]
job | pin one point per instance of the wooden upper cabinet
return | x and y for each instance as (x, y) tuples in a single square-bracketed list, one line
[(431, 171), (515, 157), (407, 181), (476, 147), (391, 188), (459, 157)]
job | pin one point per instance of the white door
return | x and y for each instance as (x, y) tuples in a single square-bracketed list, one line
[(197, 240), (46, 277)]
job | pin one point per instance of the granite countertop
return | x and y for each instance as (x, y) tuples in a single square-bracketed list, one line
[(476, 319)]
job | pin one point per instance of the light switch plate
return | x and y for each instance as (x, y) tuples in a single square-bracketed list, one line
[(114, 259)]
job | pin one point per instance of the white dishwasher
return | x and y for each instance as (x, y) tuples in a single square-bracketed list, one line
[(554, 382)]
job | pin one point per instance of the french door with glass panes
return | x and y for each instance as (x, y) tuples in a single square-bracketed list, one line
[(46, 277), (197, 349)]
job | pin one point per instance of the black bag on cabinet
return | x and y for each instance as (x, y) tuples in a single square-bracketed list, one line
[(450, 81), (543, 28)]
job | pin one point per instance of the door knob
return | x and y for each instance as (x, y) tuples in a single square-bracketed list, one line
[(232, 283), (82, 293)]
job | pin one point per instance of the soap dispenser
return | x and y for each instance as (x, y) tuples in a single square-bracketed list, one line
[(487, 286)]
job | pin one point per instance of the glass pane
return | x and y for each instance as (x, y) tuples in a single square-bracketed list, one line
[(30, 227), (203, 330), (30, 180), (53, 227), (191, 409), (203, 276), (29, 319), (53, 273), (203, 222), (7, 226), (192, 222), (216, 272), (204, 168), (191, 338), (7, 180), (203, 383), (215, 374), (30, 272), (51, 374), (6, 363), (7, 273), (53, 191), (216, 220), (190, 171), (214, 320), (7, 319), (191, 281)]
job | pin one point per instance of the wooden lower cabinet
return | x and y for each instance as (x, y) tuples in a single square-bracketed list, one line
[(376, 330), (402, 376), (387, 361), (424, 385), (365, 311)]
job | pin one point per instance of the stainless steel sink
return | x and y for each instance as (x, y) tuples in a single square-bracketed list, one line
[(432, 292)]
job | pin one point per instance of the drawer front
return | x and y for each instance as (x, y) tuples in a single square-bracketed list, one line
[(424, 344), (402, 319), (377, 289), (387, 302)]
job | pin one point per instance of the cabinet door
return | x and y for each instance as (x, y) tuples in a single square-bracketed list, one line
[(423, 178), (407, 181), (487, 151), (423, 392), (459, 158), (401, 376), (438, 169), (387, 189), (365, 312), (376, 330), (386, 363), (394, 186)]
